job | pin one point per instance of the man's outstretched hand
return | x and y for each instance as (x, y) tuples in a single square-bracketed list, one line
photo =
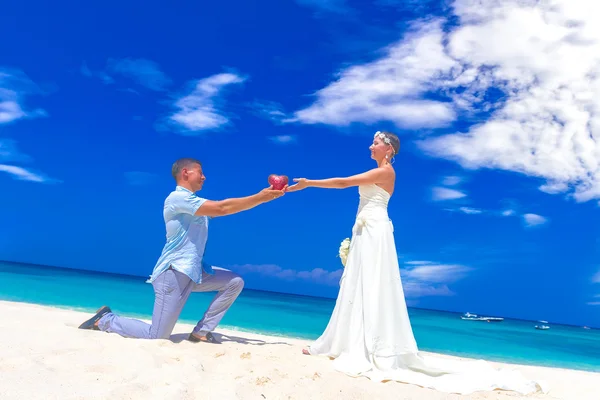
[(269, 193)]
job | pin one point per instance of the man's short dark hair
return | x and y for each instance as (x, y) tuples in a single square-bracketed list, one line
[(181, 164)]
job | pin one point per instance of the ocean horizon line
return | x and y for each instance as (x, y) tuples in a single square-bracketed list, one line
[(136, 277)]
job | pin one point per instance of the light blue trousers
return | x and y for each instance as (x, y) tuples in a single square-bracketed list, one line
[(171, 290)]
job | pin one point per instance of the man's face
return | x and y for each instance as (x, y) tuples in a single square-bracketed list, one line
[(194, 176)]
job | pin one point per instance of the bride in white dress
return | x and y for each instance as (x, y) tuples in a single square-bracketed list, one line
[(369, 333)]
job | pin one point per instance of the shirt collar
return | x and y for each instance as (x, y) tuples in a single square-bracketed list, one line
[(181, 188)]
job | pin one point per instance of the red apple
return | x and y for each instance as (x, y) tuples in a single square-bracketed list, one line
[(278, 181)]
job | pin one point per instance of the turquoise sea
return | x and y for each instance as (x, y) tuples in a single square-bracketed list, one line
[(305, 317)]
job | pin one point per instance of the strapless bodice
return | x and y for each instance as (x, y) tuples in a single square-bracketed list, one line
[(373, 202)]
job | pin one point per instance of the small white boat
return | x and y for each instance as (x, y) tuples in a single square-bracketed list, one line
[(474, 317), (542, 327)]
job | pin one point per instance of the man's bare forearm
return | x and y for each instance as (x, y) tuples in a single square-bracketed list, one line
[(238, 204)]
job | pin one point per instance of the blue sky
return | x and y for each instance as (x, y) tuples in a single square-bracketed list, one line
[(496, 204)]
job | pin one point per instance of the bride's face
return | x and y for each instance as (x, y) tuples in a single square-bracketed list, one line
[(378, 149)]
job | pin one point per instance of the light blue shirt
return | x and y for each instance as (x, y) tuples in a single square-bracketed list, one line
[(186, 236)]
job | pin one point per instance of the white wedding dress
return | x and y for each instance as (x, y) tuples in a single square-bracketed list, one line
[(369, 333)]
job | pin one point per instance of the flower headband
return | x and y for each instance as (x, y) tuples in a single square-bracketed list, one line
[(383, 137)]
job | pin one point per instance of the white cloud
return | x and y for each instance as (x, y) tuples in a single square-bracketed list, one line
[(530, 220), (426, 278), (283, 139), (417, 262), (554, 187), (414, 290), (10, 153), (198, 111), (527, 71), (15, 86), (452, 180), (145, 72), (419, 278), (269, 110), (320, 275), (442, 193), (10, 111), (389, 89), (316, 275), (436, 273), (544, 58), (470, 210), (596, 278), (534, 220), (467, 210), (23, 174), (103, 76)]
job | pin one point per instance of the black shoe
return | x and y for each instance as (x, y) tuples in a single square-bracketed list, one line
[(91, 323), (209, 338)]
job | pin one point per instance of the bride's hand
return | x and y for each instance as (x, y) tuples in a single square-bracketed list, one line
[(301, 183)]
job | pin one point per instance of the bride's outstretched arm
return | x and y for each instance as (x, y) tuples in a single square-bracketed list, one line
[(376, 175)]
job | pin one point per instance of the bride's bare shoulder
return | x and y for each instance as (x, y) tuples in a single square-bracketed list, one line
[(388, 170)]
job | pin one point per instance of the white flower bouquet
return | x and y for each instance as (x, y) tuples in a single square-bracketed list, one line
[(344, 250)]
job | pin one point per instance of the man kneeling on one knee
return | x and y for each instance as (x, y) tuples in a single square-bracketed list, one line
[(181, 270)]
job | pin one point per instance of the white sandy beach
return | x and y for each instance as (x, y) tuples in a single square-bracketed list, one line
[(44, 356)]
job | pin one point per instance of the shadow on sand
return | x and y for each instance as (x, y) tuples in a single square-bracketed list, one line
[(180, 337)]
